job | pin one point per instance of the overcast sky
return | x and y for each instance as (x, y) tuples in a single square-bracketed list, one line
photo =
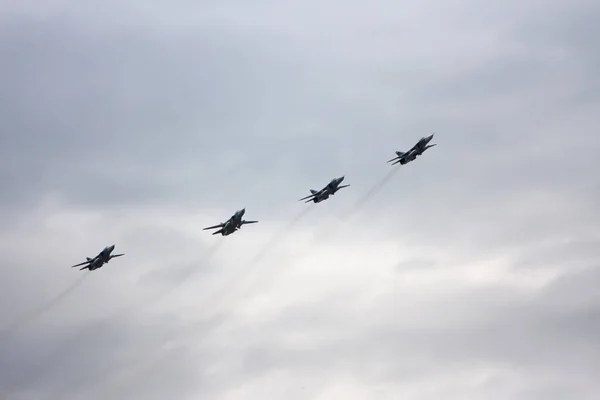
[(471, 273)]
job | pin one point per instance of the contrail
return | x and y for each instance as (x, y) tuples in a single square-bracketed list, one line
[(82, 335), (327, 231), (23, 321), (248, 272), (187, 272), (360, 202), (235, 293), (226, 287), (280, 235)]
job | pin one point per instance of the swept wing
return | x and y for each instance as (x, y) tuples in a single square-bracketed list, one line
[(402, 155), (215, 226), (83, 263), (313, 194), (310, 197)]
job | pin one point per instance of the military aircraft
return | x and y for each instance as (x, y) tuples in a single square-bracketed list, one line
[(332, 187), (416, 150), (102, 258), (232, 224)]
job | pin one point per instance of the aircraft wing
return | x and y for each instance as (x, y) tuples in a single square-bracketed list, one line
[(117, 255), (217, 232), (83, 263), (312, 195), (341, 187), (404, 155), (399, 157), (214, 226), (249, 222)]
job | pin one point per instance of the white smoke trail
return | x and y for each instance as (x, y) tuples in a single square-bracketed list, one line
[(326, 232), (23, 321), (82, 335), (232, 288)]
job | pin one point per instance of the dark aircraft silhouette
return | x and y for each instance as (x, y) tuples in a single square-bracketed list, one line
[(232, 224), (332, 187), (102, 258), (414, 152)]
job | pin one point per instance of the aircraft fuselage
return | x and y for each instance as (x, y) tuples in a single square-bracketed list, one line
[(321, 197), (102, 258), (234, 223), (333, 186), (105, 254), (98, 261), (414, 152)]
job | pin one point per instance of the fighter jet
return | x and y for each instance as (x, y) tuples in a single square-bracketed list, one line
[(332, 187), (232, 224), (102, 258), (414, 152)]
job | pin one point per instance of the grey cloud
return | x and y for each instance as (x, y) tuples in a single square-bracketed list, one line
[(565, 26), (419, 263), (73, 363), (219, 106), (126, 183), (161, 114), (576, 253), (504, 328)]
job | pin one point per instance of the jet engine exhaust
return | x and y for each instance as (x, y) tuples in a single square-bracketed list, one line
[(330, 229), (23, 321), (229, 290), (186, 273), (226, 287), (82, 334)]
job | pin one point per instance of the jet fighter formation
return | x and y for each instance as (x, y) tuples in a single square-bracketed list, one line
[(414, 152), (97, 262), (235, 223), (318, 196), (232, 224)]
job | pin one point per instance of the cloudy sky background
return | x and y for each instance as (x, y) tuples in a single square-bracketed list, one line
[(471, 274)]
